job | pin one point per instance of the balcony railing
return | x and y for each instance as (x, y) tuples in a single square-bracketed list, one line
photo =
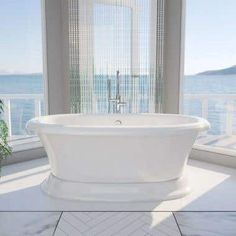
[(229, 107), (228, 101), (8, 98)]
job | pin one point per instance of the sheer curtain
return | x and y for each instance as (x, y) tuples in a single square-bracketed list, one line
[(116, 48)]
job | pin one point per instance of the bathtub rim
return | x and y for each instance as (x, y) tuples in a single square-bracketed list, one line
[(39, 125)]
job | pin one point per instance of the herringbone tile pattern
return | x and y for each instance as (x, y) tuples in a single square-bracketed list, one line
[(117, 223)]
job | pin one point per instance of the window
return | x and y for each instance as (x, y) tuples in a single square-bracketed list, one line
[(210, 71), (116, 50), (21, 80)]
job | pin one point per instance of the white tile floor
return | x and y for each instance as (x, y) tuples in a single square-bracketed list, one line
[(207, 223), (213, 189), (117, 223), (28, 223), (88, 223)]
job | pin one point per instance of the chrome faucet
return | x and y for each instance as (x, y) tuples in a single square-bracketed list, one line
[(117, 103)]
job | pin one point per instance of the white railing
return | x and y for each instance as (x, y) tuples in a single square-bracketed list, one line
[(229, 106), (204, 99), (8, 98)]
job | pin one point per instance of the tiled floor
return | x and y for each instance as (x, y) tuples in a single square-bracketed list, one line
[(28, 223), (20, 191), (118, 223), (207, 223), (213, 191)]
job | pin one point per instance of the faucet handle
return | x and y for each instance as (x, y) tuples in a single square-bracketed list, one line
[(121, 103)]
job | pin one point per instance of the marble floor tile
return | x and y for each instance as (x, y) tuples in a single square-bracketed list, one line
[(207, 223), (28, 223), (117, 223)]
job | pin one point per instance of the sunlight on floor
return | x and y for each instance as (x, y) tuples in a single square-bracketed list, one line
[(210, 184), (24, 176)]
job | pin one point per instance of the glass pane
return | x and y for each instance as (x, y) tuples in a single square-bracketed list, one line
[(112, 52), (115, 47), (21, 80), (210, 71)]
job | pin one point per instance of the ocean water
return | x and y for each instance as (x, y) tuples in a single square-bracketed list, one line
[(23, 110)]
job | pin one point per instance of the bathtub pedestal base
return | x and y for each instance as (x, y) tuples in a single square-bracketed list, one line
[(116, 192)]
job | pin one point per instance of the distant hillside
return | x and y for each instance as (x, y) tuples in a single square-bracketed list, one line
[(227, 71)]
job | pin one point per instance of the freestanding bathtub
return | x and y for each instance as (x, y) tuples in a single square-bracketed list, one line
[(117, 157)]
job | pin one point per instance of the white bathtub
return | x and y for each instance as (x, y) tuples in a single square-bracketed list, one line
[(117, 157)]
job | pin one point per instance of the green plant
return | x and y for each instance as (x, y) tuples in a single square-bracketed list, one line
[(5, 149)]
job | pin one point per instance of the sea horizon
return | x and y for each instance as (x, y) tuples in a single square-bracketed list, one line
[(23, 110)]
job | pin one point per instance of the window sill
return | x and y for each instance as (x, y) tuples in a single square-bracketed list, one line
[(25, 143), (25, 149), (215, 155)]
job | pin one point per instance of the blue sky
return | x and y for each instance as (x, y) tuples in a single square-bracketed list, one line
[(20, 36), (210, 35)]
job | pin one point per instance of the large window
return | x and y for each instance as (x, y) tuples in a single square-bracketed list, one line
[(21, 81), (116, 50), (210, 71)]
